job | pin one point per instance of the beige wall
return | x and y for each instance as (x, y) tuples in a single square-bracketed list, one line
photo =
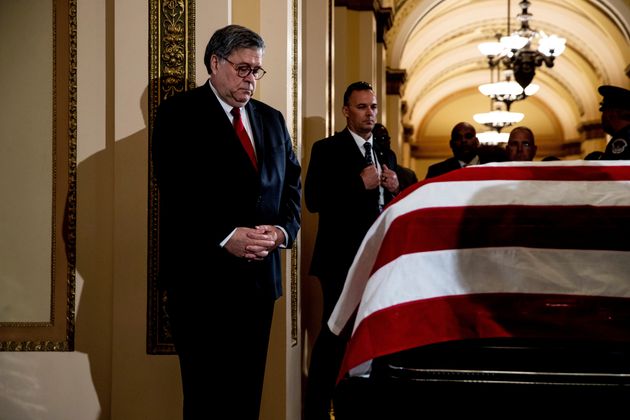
[(318, 106), (355, 55), (109, 375)]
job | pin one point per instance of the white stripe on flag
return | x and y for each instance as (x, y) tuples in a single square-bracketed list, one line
[(478, 193), (496, 270)]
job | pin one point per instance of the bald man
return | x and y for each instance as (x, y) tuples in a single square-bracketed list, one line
[(464, 144), (521, 145)]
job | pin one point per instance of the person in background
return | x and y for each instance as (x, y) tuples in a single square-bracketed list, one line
[(595, 155), (615, 108), (406, 176), (349, 180), (492, 153), (230, 192), (464, 144), (521, 145), (550, 159)]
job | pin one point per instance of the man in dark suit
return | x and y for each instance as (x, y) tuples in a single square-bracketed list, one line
[(348, 182), (464, 144), (226, 206)]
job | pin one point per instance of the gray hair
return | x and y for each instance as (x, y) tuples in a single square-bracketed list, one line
[(230, 38)]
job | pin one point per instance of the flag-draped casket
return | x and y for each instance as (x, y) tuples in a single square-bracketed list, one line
[(535, 249)]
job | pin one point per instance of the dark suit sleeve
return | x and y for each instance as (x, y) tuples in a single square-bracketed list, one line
[(292, 189), (333, 177), (334, 189), (174, 246), (440, 168), (388, 157), (314, 188), (406, 177)]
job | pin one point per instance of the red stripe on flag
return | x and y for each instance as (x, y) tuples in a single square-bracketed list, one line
[(492, 315), (539, 173), (528, 173), (552, 227)]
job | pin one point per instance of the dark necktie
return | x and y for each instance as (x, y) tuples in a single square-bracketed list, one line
[(242, 135), (369, 161), (368, 154)]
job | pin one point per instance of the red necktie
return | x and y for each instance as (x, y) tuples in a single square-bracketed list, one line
[(242, 135)]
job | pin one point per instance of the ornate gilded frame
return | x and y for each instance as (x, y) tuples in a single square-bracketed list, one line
[(171, 70), (294, 130), (58, 333)]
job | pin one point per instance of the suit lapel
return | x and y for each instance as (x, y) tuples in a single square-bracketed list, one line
[(381, 157), (215, 108), (347, 142)]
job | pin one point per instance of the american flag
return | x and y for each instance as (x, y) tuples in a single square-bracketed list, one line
[(520, 249)]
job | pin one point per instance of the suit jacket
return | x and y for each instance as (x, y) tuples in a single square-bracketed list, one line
[(208, 187), (334, 189), (406, 177), (443, 167)]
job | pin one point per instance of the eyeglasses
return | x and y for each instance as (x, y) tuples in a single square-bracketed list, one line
[(244, 70)]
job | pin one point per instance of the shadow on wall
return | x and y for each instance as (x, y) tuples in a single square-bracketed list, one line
[(112, 260), (311, 294)]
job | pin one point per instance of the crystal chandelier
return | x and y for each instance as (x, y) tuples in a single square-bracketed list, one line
[(516, 50)]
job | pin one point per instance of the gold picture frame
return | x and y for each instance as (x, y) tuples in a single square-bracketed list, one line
[(57, 332), (171, 70)]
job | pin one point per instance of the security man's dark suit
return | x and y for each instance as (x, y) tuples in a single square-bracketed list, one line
[(334, 189)]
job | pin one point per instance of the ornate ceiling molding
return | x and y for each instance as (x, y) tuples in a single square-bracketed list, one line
[(395, 79)]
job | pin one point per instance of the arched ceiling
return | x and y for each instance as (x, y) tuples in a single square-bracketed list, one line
[(435, 41)]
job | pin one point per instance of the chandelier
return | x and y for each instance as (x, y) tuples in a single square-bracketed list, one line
[(498, 118), (492, 137), (507, 91), (514, 59), (517, 54)]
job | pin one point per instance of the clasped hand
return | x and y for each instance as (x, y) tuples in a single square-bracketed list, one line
[(388, 178), (254, 243)]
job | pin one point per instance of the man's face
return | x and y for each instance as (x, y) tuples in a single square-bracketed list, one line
[(360, 112), (520, 146), (464, 144), (232, 88)]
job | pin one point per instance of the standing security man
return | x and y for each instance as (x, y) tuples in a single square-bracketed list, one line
[(348, 182)]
